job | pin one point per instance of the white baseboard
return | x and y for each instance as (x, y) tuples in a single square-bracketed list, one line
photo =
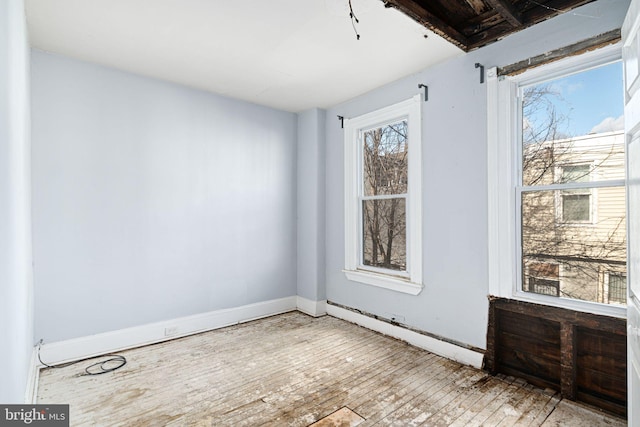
[(441, 348), (312, 308), (30, 394), (109, 342)]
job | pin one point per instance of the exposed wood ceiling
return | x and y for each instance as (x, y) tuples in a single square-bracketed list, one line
[(470, 24)]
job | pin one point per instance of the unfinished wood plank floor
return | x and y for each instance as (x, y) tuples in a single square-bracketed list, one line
[(295, 370)]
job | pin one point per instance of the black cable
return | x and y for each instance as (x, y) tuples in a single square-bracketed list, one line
[(353, 18), (119, 359)]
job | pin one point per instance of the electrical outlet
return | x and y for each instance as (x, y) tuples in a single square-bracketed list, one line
[(171, 330)]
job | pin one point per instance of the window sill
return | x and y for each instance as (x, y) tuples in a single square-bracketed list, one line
[(611, 310), (383, 281)]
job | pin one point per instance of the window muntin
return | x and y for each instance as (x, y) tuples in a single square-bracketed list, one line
[(382, 197), (569, 179)]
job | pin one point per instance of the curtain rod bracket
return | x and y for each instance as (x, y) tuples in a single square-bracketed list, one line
[(426, 91), (479, 65), (341, 118)]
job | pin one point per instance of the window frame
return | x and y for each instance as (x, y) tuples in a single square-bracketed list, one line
[(504, 146), (410, 280)]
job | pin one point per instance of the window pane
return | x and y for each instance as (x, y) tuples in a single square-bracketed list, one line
[(544, 269), (543, 278), (385, 162), (576, 256), (576, 207), (544, 286), (575, 173), (384, 233), (617, 288), (577, 118)]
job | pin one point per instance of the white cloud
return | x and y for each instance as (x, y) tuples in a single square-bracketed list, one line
[(609, 124)]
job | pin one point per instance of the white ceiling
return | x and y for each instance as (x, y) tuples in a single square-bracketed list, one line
[(288, 54)]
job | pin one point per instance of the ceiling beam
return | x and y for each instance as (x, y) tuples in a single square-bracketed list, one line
[(507, 11), (477, 5), (421, 15)]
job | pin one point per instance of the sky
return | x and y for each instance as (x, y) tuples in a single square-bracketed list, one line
[(592, 100)]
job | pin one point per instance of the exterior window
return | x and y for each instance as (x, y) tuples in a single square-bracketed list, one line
[(617, 288), (571, 189), (382, 198), (544, 279), (576, 204), (556, 182)]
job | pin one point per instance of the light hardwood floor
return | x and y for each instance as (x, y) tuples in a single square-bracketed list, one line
[(294, 370)]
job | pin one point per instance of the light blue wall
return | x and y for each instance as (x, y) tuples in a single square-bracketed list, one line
[(311, 229), (454, 301), (153, 201), (16, 289)]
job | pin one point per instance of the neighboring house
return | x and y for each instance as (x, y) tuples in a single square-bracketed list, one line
[(574, 233)]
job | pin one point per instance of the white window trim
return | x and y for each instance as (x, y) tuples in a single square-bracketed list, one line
[(409, 281), (503, 116)]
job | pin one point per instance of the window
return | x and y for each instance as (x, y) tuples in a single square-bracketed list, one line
[(617, 287), (582, 157), (557, 181), (575, 205), (544, 279), (385, 155), (382, 198)]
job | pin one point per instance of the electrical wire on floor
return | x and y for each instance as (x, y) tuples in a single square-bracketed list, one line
[(98, 368)]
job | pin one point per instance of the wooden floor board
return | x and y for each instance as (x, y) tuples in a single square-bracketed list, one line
[(405, 395), (326, 375), (422, 408), (350, 386), (459, 401), (373, 406), (281, 373), (443, 397), (413, 409), (398, 416), (294, 370), (285, 400), (485, 394)]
